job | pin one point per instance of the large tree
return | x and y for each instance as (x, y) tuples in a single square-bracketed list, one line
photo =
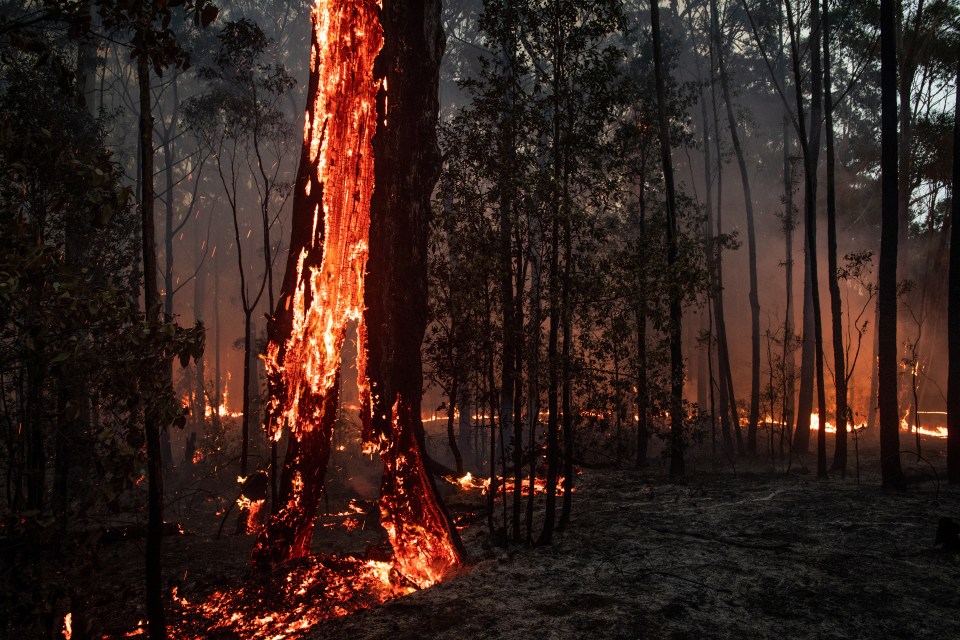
[(371, 119)]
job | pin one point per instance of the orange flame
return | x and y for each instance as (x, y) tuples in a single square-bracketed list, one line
[(327, 293), (338, 132), (415, 523)]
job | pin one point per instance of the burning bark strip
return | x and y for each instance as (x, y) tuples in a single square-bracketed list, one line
[(340, 221)]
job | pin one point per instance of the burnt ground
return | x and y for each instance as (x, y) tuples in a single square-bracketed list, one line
[(753, 556), (745, 553)]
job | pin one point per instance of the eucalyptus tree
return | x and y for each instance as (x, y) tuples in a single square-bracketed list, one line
[(238, 119)]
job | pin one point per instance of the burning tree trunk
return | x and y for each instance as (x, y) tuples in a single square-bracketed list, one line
[(407, 163), (364, 78)]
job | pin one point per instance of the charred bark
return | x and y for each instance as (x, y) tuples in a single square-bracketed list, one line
[(953, 323), (676, 311), (836, 312), (890, 468), (155, 617), (426, 543)]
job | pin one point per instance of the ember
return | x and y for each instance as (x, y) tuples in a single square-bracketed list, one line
[(324, 291), (468, 482), (285, 603)]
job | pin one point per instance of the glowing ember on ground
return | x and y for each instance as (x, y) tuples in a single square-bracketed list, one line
[(468, 482), (288, 602)]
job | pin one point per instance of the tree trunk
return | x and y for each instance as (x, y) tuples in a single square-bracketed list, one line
[(566, 348), (810, 146), (754, 417), (402, 161), (836, 313), (451, 421), (521, 274), (643, 391), (676, 311), (953, 323), (729, 414), (553, 388), (890, 468), (151, 299), (425, 542), (534, 253), (789, 223), (322, 287)]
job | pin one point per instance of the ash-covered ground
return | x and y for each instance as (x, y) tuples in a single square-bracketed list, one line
[(729, 553), (751, 555)]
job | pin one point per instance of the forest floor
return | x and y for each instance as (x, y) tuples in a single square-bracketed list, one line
[(743, 553), (752, 556)]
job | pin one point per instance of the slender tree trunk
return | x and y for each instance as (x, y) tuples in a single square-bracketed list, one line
[(199, 399), (953, 304), (711, 263), (451, 421), (154, 588), (245, 425), (729, 414), (168, 281), (643, 387), (906, 64), (810, 146), (521, 274), (505, 255), (217, 369), (789, 223), (839, 360), (534, 253), (754, 417), (491, 400), (566, 362), (553, 362), (890, 468), (676, 311)]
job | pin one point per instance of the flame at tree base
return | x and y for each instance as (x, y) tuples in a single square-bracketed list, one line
[(416, 524), (285, 603)]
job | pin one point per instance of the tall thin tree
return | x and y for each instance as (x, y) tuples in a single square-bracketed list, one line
[(890, 468), (953, 378), (676, 310)]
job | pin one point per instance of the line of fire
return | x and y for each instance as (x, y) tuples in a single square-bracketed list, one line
[(479, 319)]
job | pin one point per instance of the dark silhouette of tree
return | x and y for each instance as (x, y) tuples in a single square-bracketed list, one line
[(953, 312), (677, 410), (891, 470)]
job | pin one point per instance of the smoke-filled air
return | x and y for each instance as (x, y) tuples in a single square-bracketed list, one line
[(479, 319)]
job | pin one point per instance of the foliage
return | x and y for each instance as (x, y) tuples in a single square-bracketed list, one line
[(77, 357)]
